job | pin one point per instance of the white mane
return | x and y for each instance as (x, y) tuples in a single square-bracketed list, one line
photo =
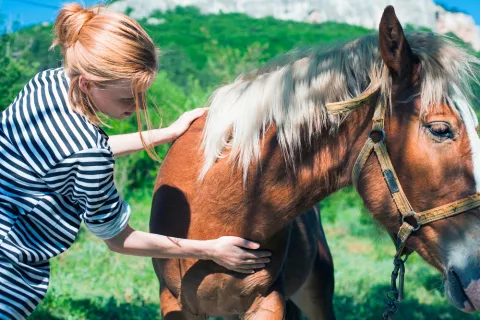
[(291, 93)]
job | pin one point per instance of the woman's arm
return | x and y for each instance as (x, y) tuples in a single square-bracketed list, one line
[(123, 144), (226, 251)]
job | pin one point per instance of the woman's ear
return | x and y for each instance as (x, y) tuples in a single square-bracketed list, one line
[(83, 83)]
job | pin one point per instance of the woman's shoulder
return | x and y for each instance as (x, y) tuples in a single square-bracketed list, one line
[(53, 77), (74, 123), (44, 98), (43, 90)]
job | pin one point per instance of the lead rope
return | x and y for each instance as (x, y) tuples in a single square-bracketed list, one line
[(395, 296)]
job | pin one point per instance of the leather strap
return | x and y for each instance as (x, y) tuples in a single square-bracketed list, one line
[(348, 105), (448, 210)]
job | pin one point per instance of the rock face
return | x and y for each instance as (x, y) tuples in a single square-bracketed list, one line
[(418, 13), (461, 24), (368, 13)]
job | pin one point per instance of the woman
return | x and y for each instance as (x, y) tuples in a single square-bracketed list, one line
[(57, 164)]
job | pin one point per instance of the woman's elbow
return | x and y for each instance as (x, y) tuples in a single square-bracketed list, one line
[(114, 246), (117, 243)]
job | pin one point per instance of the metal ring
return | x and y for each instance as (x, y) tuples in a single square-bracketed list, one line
[(411, 213), (416, 227), (391, 295), (382, 138)]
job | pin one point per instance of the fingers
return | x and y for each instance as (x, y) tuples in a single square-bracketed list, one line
[(256, 261), (252, 266), (240, 255), (248, 268), (253, 263), (198, 111), (256, 254), (194, 114), (243, 270), (242, 243)]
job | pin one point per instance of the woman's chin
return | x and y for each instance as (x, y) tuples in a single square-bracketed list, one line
[(123, 115)]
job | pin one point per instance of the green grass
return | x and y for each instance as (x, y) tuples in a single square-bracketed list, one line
[(89, 282)]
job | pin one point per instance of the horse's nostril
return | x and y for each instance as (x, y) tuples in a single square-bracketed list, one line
[(463, 292), (455, 280), (456, 289)]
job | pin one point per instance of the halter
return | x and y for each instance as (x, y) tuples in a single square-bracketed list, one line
[(411, 220)]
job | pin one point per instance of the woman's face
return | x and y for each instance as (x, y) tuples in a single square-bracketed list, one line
[(112, 98)]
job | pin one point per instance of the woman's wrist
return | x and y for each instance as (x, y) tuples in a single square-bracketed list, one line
[(207, 250), (197, 249)]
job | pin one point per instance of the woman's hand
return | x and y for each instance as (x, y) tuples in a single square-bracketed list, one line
[(124, 144), (183, 122), (238, 254)]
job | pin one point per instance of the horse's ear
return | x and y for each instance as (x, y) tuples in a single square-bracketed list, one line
[(394, 48)]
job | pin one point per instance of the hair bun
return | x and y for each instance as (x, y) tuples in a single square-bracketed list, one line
[(69, 23)]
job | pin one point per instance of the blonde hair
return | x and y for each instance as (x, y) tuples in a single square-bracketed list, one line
[(105, 46)]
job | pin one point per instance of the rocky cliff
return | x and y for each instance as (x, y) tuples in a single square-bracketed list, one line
[(419, 13)]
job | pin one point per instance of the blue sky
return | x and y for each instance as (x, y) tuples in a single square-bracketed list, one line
[(35, 11)]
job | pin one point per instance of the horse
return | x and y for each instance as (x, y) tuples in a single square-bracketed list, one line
[(278, 140)]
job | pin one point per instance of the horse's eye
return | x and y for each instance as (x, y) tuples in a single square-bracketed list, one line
[(440, 130)]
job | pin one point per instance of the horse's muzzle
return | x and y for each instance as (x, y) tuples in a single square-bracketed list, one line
[(462, 290)]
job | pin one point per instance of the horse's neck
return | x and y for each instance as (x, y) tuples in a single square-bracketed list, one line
[(326, 168)]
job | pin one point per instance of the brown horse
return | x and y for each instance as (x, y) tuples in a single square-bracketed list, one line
[(271, 151)]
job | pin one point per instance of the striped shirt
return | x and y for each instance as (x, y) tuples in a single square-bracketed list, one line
[(56, 170)]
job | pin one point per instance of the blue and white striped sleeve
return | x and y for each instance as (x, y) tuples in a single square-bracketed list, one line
[(86, 178)]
